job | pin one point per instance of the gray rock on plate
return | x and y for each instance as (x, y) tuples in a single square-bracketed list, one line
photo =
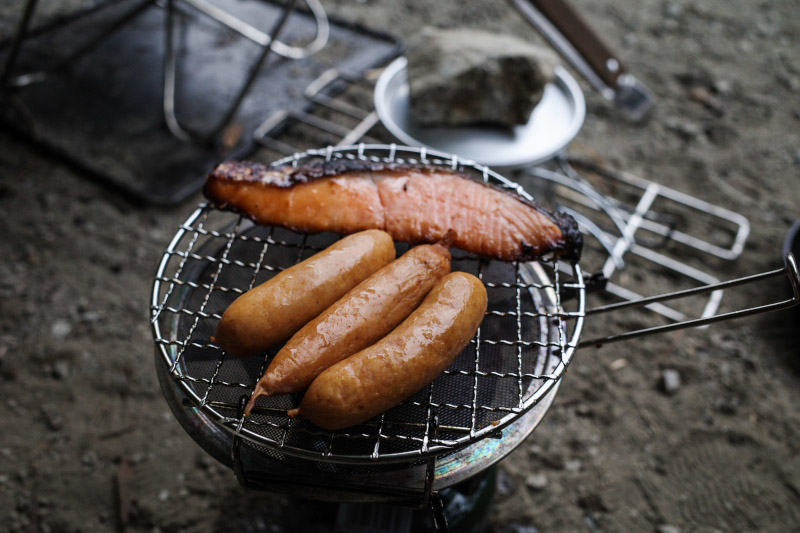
[(464, 77)]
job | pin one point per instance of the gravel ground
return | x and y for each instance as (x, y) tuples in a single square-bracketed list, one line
[(689, 431)]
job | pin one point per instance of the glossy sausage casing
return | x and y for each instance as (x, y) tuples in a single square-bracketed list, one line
[(410, 357), (272, 312), (357, 320)]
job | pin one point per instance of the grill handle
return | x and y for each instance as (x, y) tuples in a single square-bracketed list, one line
[(789, 270), (572, 36), (582, 36)]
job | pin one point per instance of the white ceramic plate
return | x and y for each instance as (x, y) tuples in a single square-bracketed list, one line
[(553, 124)]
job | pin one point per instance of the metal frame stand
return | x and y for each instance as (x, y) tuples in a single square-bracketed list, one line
[(267, 41), (149, 95)]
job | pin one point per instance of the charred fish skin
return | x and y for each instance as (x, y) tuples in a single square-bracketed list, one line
[(288, 176), (348, 195), (571, 245)]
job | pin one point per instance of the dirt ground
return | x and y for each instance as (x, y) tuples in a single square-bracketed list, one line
[(86, 433)]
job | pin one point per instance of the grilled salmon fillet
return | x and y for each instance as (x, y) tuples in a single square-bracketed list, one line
[(415, 204)]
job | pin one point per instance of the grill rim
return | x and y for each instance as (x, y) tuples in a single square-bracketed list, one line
[(417, 156)]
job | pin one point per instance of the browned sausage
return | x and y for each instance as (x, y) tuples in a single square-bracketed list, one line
[(272, 312), (410, 357), (359, 319)]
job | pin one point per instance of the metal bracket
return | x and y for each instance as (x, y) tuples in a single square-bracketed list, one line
[(236, 446), (439, 518), (789, 271), (268, 42), (170, 79), (618, 226), (427, 489), (431, 498)]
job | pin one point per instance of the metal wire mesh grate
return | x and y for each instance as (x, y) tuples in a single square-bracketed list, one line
[(522, 348)]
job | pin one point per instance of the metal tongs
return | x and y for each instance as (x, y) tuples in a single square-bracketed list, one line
[(570, 34)]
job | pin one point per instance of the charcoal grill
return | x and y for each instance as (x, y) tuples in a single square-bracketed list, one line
[(484, 404)]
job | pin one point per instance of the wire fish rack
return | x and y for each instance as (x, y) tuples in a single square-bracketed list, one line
[(520, 352)]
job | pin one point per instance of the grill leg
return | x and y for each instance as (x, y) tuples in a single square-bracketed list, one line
[(439, 518), (19, 35), (236, 448)]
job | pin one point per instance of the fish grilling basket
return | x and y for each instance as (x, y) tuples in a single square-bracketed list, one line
[(528, 337)]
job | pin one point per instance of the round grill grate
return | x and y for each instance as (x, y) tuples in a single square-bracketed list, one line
[(521, 350)]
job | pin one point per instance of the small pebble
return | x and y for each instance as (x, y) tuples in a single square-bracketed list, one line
[(573, 465), (89, 459), (670, 381), (722, 87), (52, 420), (666, 528), (163, 495), (48, 199), (704, 97), (90, 316), (684, 128), (767, 28), (793, 82), (61, 370), (204, 461), (673, 10), (536, 482), (137, 458), (60, 329), (505, 484), (618, 364), (593, 503)]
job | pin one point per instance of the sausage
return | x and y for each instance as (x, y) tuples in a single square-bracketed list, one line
[(269, 314), (402, 363), (359, 319)]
